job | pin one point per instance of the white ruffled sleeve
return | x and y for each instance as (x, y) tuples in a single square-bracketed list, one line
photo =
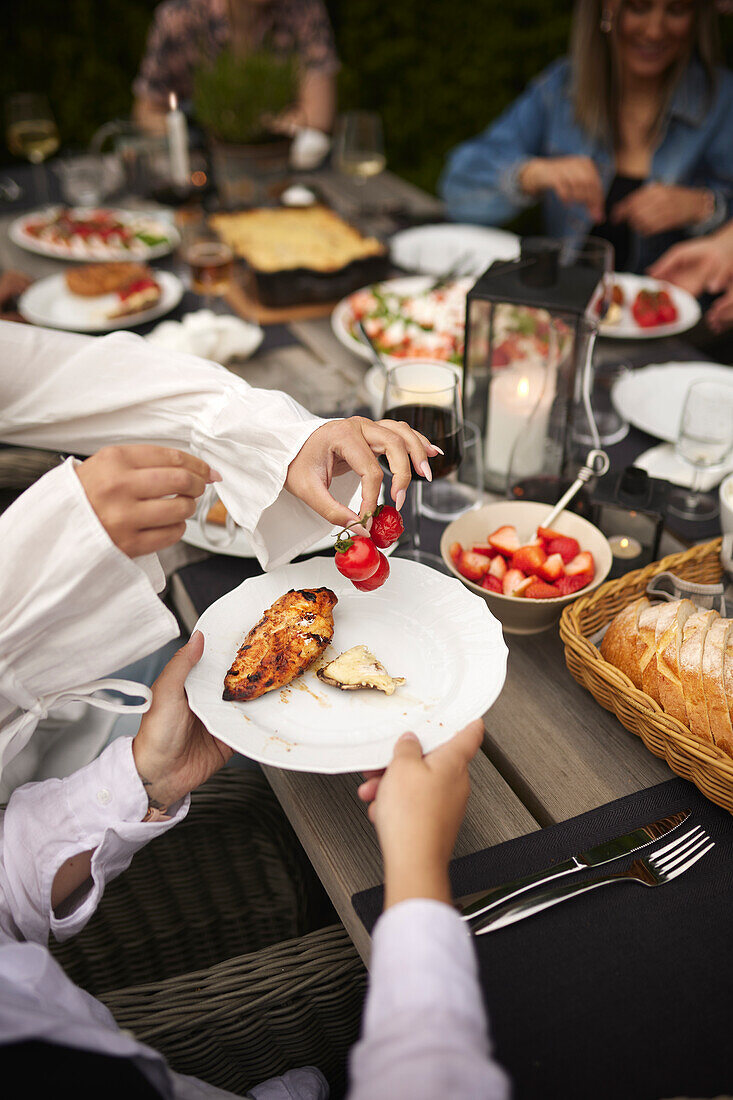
[(78, 393)]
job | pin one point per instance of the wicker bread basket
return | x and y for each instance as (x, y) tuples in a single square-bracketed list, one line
[(708, 767)]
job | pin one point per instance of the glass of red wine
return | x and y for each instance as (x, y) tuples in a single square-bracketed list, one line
[(427, 396)]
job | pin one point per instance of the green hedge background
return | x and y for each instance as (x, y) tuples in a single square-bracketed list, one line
[(437, 70)]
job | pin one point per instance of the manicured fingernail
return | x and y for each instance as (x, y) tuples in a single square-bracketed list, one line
[(437, 450), (409, 736), (368, 522), (399, 499), (359, 529), (425, 470), (214, 475)]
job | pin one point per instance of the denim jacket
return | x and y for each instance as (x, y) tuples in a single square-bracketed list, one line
[(480, 180)]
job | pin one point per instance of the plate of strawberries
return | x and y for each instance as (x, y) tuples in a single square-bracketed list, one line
[(526, 572), (643, 308)]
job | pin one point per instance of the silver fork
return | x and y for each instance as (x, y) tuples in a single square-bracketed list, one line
[(662, 866)]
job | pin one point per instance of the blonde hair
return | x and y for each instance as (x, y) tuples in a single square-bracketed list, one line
[(594, 59)]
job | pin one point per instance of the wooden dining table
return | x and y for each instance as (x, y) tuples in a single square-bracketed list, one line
[(550, 752)]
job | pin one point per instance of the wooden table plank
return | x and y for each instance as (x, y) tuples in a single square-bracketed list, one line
[(559, 750), (340, 841)]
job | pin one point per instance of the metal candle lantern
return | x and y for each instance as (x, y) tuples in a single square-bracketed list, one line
[(629, 507), (527, 339)]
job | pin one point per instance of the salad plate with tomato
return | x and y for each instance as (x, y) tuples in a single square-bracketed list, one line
[(643, 308), (94, 233), (421, 625)]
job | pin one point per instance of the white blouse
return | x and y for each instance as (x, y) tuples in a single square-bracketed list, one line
[(72, 606)]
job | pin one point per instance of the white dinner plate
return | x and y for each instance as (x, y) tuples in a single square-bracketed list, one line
[(433, 249), (343, 316), (98, 252), (652, 397), (688, 310), (421, 625), (49, 302)]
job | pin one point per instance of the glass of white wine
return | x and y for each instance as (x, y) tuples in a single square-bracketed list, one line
[(705, 441), (32, 133), (358, 145)]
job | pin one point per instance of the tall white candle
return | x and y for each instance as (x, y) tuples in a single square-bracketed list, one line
[(177, 130), (520, 399)]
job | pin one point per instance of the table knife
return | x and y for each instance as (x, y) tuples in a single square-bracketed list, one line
[(476, 904)]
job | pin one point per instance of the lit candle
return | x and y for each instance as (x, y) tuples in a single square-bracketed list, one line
[(520, 400), (625, 546), (177, 130)]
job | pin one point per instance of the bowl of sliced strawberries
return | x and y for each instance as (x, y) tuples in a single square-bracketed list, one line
[(526, 573)]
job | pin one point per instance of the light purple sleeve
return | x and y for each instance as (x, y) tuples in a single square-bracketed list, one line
[(425, 1034)]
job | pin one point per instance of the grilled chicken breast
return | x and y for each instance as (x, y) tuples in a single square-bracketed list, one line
[(285, 642)]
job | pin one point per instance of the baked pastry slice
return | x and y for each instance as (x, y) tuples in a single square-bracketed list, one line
[(669, 683), (691, 651), (289, 637), (713, 665), (618, 646)]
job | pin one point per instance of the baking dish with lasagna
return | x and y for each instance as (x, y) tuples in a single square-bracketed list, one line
[(301, 255)]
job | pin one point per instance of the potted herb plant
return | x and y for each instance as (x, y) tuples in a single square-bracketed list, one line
[(233, 100)]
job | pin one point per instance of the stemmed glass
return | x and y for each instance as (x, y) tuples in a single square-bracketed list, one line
[(358, 145), (427, 396), (704, 441), (32, 133)]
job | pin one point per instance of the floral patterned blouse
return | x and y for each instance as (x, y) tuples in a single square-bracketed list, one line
[(186, 33)]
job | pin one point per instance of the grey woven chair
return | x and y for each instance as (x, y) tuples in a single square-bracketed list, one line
[(211, 946)]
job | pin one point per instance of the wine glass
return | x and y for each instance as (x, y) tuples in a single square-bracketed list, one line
[(358, 146), (427, 396), (211, 264), (704, 441), (32, 133)]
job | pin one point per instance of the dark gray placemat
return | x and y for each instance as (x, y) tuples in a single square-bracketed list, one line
[(624, 993)]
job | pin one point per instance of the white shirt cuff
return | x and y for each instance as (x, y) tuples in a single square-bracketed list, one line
[(99, 808)]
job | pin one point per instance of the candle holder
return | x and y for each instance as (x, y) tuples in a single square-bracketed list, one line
[(527, 344), (629, 507)]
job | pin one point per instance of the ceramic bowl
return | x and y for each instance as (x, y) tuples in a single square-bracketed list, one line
[(517, 614)]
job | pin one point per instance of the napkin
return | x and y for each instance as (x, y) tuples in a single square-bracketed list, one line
[(662, 461), (209, 335), (623, 992), (309, 148)]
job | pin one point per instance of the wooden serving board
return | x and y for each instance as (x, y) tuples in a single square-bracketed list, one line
[(243, 299)]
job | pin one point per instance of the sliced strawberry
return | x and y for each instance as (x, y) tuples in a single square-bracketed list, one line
[(521, 589), (505, 540), (487, 551), (512, 579), (581, 563), (454, 552), (552, 569), (492, 584), (565, 546), (472, 566), (566, 586), (547, 534), (540, 590), (498, 567), (529, 559)]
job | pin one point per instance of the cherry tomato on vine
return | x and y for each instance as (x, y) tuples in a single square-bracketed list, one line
[(357, 558), (378, 578), (387, 526)]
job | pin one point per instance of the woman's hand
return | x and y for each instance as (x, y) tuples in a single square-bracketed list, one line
[(144, 494), (353, 444), (173, 751), (697, 266), (573, 179), (417, 805), (657, 207)]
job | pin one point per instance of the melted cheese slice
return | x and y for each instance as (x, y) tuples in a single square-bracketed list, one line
[(356, 668)]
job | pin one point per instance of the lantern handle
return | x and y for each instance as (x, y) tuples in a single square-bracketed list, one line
[(597, 464)]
